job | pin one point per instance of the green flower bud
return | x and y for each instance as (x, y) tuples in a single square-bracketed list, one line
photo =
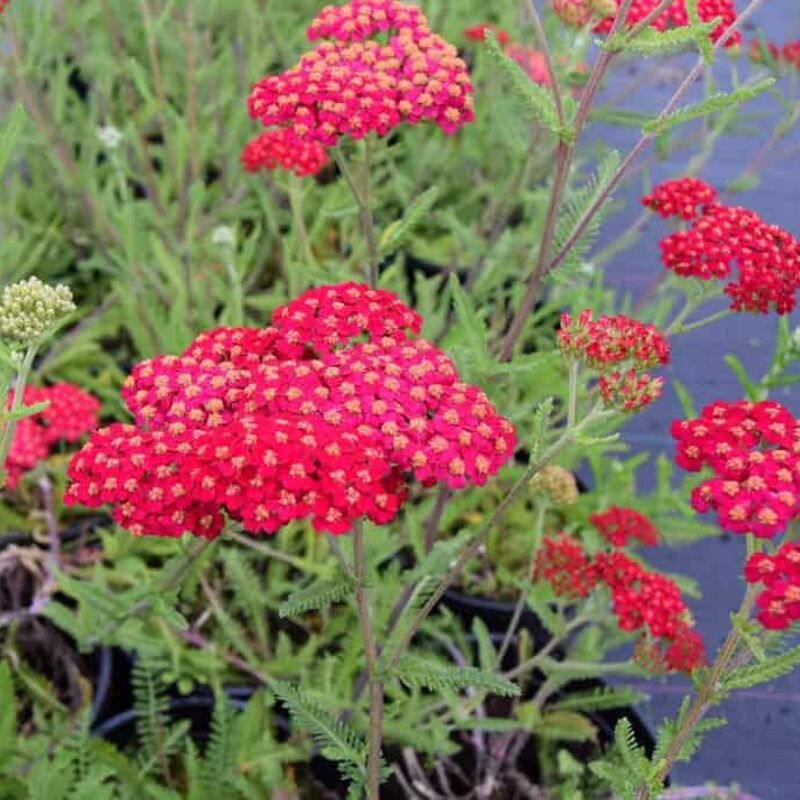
[(30, 309)]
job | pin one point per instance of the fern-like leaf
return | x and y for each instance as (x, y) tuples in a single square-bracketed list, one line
[(763, 672), (534, 99), (577, 205), (600, 699), (651, 42), (337, 741), (320, 594), (418, 672), (398, 232), (711, 105)]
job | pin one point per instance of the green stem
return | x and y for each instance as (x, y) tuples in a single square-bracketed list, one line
[(366, 215), (572, 406), (375, 737), (703, 701), (19, 390), (538, 532), (296, 203), (700, 323)]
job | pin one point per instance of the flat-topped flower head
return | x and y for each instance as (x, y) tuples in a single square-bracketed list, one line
[(753, 453), (30, 310), (352, 84), (759, 262), (557, 484), (578, 13), (328, 415), (280, 148)]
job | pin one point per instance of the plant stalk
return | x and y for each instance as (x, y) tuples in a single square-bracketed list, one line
[(375, 736)]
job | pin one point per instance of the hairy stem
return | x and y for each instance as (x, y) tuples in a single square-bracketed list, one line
[(703, 701), (375, 737)]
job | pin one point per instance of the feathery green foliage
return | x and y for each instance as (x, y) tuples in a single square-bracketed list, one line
[(319, 595), (710, 105), (415, 672)]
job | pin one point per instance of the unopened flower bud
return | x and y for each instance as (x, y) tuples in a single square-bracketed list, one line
[(30, 309), (557, 484), (223, 236)]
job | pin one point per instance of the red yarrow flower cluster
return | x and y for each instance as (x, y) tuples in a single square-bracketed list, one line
[(723, 238), (353, 85), (682, 198), (753, 451), (779, 604), (281, 149), (71, 414), (622, 350), (675, 16), (620, 526), (326, 415), (644, 602)]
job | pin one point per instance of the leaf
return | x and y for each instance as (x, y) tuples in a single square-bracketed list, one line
[(684, 398), (568, 726), (12, 130), (398, 232), (750, 389), (745, 677), (651, 42), (540, 423), (337, 740), (320, 594), (576, 208), (535, 100), (418, 672), (599, 699), (471, 324), (711, 105)]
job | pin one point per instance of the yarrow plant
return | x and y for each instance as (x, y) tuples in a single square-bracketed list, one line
[(332, 414)]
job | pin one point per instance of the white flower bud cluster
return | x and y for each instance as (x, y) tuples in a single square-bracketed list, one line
[(30, 309)]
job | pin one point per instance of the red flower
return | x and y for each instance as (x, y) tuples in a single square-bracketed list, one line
[(680, 198), (643, 602), (477, 33), (70, 415), (753, 452), (564, 564), (608, 343), (301, 420), (619, 525), (352, 86), (788, 54), (281, 149), (779, 604), (723, 238)]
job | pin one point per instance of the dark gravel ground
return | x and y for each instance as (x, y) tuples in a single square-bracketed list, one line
[(760, 748)]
